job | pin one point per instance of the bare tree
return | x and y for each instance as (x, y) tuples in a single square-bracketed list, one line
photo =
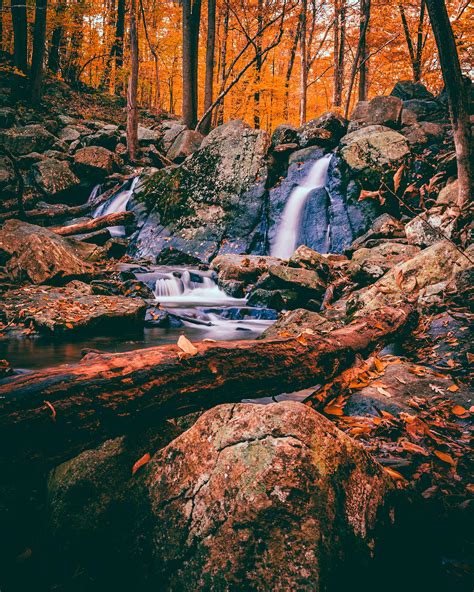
[(219, 114), (304, 62), (191, 23), (415, 53), (258, 64), (54, 58), (457, 96), (210, 51), (358, 60), (20, 35), (363, 53), (154, 52), (289, 70), (39, 50), (339, 49), (132, 112)]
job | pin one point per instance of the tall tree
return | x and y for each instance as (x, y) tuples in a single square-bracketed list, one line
[(191, 23), (258, 65), (77, 34), (304, 63), (339, 49), (457, 96), (132, 111), (289, 70), (39, 50), (20, 34), (116, 50), (363, 54), (219, 119), (358, 60), (415, 53), (1, 25), (210, 50), (54, 58)]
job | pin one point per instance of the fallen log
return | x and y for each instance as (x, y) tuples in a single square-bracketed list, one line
[(51, 415), (115, 219), (98, 237)]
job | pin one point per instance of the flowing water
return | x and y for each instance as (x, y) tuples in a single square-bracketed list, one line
[(116, 203), (286, 240)]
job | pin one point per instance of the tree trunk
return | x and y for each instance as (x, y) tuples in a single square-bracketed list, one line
[(191, 22), (54, 58), (358, 62), (223, 65), (1, 25), (339, 50), (457, 96), (417, 69), (51, 415), (132, 112), (210, 50), (363, 63), (20, 35), (289, 70), (73, 68), (114, 219), (258, 66), (304, 64), (39, 51)]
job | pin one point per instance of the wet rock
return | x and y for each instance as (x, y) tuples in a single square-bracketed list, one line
[(369, 265), (325, 131), (30, 138), (383, 227), (275, 299), (438, 263), (157, 317), (37, 255), (304, 155), (407, 89), (184, 145), (54, 177), (369, 151), (233, 288), (295, 322), (94, 161), (285, 133), (243, 268), (307, 279), (71, 309), (249, 498), (5, 369), (212, 203), (403, 381)]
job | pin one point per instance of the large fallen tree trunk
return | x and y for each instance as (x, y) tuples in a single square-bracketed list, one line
[(51, 415), (115, 219)]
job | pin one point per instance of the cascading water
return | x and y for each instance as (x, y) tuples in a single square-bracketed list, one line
[(116, 203), (287, 234)]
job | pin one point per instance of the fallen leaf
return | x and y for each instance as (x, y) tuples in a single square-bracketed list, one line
[(53, 410), (445, 457), (394, 474), (453, 388), (397, 178), (384, 392), (364, 194), (333, 410), (185, 345), (459, 411), (140, 462)]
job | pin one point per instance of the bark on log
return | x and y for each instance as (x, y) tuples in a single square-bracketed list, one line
[(98, 237), (51, 415), (115, 219)]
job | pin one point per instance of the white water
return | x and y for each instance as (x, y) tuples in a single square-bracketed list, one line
[(117, 203), (287, 233)]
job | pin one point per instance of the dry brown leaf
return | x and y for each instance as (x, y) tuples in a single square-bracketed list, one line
[(187, 347), (333, 410), (384, 392), (459, 411), (140, 462), (394, 474), (53, 410), (410, 447), (364, 194), (397, 178), (453, 388)]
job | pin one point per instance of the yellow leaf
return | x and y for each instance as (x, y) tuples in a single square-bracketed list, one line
[(394, 474), (185, 345), (445, 457), (140, 462)]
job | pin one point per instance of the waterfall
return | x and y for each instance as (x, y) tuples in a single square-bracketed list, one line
[(116, 203), (287, 234)]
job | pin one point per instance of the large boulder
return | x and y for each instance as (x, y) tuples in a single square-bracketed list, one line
[(416, 110), (250, 498), (368, 152), (324, 131), (285, 133), (95, 162), (296, 322), (407, 89), (185, 144), (71, 309), (30, 138), (435, 265), (383, 228), (428, 228), (147, 136), (379, 111), (369, 265), (246, 268), (423, 133), (54, 177), (297, 278), (170, 130), (212, 203), (8, 178), (40, 256)]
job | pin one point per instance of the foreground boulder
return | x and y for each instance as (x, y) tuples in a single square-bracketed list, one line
[(37, 255), (54, 177), (70, 309), (212, 203), (94, 161)]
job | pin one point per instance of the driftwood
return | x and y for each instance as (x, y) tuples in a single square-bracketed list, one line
[(115, 219), (51, 415)]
